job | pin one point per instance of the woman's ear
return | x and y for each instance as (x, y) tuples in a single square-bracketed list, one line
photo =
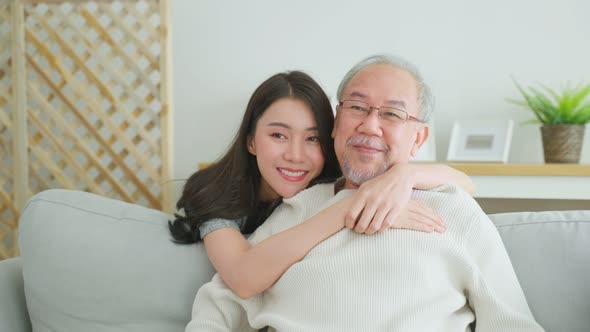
[(421, 137), (250, 145)]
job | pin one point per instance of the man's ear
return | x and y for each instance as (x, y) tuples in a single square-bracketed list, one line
[(250, 145), (421, 137), (335, 122)]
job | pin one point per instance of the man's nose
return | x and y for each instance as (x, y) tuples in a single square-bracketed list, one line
[(371, 125), (294, 152)]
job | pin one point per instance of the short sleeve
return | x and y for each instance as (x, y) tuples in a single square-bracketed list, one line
[(215, 224)]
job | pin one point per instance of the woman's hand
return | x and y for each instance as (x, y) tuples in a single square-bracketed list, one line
[(378, 203), (419, 217)]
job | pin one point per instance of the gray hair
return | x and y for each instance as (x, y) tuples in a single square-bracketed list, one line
[(425, 98)]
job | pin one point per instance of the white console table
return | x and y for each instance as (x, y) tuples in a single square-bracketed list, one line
[(529, 181)]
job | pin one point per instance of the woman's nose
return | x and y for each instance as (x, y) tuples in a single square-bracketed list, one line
[(294, 152)]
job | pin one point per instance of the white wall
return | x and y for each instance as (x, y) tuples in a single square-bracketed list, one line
[(467, 50)]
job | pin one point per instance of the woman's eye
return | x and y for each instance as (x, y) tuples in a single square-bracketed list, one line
[(278, 135), (313, 139)]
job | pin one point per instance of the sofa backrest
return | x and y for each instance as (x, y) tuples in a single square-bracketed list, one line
[(95, 264), (550, 252)]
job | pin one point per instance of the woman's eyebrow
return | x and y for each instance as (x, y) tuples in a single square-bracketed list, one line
[(279, 124), (286, 126)]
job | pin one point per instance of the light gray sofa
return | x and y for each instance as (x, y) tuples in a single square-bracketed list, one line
[(89, 263)]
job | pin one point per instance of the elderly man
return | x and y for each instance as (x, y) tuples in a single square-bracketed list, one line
[(396, 280)]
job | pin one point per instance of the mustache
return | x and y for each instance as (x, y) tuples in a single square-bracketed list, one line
[(367, 141)]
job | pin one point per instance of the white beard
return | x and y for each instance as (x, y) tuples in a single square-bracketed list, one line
[(360, 175)]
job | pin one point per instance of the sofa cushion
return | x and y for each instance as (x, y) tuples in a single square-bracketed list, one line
[(550, 252), (95, 264), (13, 310)]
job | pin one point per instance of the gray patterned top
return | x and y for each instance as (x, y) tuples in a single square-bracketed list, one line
[(217, 223)]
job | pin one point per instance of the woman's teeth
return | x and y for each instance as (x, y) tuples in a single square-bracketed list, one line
[(289, 173)]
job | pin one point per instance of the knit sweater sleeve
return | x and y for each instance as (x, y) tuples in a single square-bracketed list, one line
[(216, 307), (494, 292)]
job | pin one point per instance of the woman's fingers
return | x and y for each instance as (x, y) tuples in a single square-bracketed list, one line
[(382, 199), (365, 218), (416, 222), (378, 215), (418, 217), (354, 212), (427, 213), (418, 225), (372, 210), (390, 219), (378, 223)]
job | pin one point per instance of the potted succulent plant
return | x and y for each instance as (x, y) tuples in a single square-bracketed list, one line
[(563, 118)]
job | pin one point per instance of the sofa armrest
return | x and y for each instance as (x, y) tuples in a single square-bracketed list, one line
[(13, 309)]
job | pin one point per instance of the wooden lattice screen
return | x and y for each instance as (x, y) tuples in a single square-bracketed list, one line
[(84, 103)]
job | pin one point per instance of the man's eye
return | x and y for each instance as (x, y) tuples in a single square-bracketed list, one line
[(391, 115), (357, 108)]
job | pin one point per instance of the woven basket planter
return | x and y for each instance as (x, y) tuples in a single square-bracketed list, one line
[(562, 143)]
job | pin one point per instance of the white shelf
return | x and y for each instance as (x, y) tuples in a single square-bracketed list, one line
[(542, 181)]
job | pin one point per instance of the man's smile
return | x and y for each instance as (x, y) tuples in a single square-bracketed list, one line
[(366, 149)]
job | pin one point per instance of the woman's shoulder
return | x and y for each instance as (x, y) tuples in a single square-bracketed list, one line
[(217, 223)]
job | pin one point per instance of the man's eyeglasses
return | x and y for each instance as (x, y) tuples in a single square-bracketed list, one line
[(360, 110)]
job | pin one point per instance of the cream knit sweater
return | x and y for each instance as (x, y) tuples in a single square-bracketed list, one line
[(398, 280)]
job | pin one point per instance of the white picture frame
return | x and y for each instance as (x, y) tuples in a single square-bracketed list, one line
[(427, 152), (480, 140)]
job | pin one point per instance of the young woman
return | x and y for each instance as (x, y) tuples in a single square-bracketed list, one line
[(282, 147)]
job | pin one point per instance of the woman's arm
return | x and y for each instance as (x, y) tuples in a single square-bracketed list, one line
[(374, 211), (249, 270), (428, 176)]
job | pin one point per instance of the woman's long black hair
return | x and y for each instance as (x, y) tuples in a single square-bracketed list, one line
[(229, 188)]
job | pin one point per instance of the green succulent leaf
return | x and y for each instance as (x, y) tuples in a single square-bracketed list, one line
[(580, 94), (551, 108), (552, 92), (517, 102)]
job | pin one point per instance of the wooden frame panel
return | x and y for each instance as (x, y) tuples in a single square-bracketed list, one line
[(85, 103)]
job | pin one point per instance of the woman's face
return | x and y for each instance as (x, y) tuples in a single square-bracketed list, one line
[(287, 148)]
